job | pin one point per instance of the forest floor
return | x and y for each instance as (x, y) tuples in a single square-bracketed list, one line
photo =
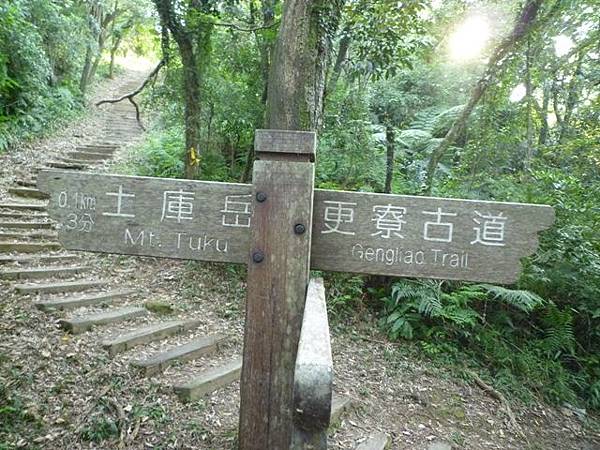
[(63, 391)]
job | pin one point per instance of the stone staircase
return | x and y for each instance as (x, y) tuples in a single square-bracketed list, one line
[(68, 288)]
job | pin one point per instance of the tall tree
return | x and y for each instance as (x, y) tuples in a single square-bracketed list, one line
[(100, 18), (192, 33), (522, 26)]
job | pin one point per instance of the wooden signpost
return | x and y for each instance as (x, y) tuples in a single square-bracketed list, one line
[(282, 227)]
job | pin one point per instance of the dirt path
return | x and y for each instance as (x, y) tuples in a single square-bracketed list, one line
[(60, 389)]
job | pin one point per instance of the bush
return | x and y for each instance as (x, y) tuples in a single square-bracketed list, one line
[(162, 154)]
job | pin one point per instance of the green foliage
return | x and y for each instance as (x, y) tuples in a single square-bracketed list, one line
[(344, 161), (15, 418), (161, 154), (100, 429), (345, 293), (38, 53), (385, 35), (43, 45), (485, 323)]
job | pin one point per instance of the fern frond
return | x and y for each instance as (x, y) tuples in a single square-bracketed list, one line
[(521, 299), (559, 331), (445, 119)]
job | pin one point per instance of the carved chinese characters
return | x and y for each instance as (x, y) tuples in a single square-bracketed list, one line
[(150, 216), (352, 231), (424, 237)]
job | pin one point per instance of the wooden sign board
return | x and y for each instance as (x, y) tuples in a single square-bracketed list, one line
[(394, 235)]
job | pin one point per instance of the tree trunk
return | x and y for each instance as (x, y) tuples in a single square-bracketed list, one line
[(98, 57), (265, 46), (83, 81), (390, 143), (297, 75), (543, 138), (571, 102), (113, 53), (494, 65), (232, 155), (340, 60), (245, 178), (529, 98), (192, 112), (192, 75), (211, 115)]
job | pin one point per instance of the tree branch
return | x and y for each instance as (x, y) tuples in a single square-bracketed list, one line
[(239, 28), (130, 96)]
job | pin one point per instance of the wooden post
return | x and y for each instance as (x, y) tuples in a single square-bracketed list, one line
[(278, 271)]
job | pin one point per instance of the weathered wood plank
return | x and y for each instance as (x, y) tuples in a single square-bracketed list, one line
[(48, 235), (358, 232), (147, 333), (31, 259), (209, 381), (63, 286), (29, 247), (22, 215), (89, 156), (150, 216), (77, 301), (27, 192), (22, 207), (77, 325), (42, 272), (186, 352), (424, 237), (27, 225), (275, 301), (289, 142), (65, 165)]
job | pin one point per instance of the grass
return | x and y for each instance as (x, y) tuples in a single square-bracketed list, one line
[(160, 308), (17, 421)]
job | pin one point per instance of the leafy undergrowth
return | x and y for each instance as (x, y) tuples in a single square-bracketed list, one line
[(483, 327)]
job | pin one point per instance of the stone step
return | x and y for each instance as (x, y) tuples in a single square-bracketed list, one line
[(23, 206), (377, 441), (89, 156), (78, 162), (116, 143), (104, 149), (28, 192), (186, 352), (339, 405), (26, 183), (28, 259), (29, 247), (122, 138), (42, 272), (44, 234), (123, 120), (61, 286), (148, 333), (101, 298), (65, 165), (77, 325), (209, 381), (122, 129), (27, 225), (22, 215)]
